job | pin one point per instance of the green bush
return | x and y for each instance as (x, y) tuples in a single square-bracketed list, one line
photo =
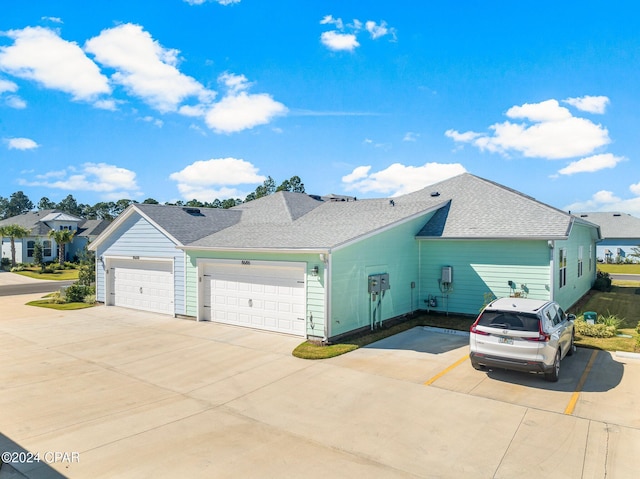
[(89, 299), (602, 282), (77, 292), (18, 267), (5, 262), (598, 330)]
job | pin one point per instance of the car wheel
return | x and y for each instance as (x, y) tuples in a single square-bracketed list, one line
[(572, 347), (554, 374)]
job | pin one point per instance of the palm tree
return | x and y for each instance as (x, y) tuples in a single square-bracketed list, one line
[(14, 232), (61, 237)]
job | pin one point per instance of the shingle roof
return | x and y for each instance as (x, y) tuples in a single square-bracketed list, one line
[(187, 224), (480, 208), (466, 207), (36, 222), (614, 224)]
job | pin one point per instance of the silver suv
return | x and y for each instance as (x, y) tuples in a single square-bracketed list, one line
[(522, 334)]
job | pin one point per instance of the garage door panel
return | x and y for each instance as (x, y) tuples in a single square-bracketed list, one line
[(271, 297), (144, 285)]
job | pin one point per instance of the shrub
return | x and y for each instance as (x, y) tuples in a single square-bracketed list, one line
[(77, 292), (57, 297), (18, 267), (598, 330), (5, 262), (602, 282), (89, 299)]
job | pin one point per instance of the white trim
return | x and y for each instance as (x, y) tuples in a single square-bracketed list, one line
[(138, 258), (126, 214)]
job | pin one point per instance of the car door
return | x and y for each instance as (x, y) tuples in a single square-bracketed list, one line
[(559, 328), (566, 331)]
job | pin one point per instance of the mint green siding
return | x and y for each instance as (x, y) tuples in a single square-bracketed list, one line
[(314, 284), (481, 267), (576, 286), (394, 251)]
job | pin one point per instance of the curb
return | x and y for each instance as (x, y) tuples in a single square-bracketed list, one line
[(455, 332), (626, 355)]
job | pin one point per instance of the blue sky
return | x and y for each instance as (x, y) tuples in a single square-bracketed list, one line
[(174, 99)]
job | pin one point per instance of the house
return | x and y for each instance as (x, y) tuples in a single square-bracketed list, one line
[(296, 265), (620, 234), (40, 223), (138, 263)]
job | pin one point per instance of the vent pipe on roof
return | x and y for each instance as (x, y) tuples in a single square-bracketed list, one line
[(435, 193)]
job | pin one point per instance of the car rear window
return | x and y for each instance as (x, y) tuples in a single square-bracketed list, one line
[(509, 320)]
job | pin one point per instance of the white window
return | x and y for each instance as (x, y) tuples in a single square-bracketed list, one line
[(46, 248), (30, 247), (563, 268), (590, 257), (580, 248)]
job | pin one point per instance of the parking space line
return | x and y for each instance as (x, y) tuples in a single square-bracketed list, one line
[(576, 394), (445, 371)]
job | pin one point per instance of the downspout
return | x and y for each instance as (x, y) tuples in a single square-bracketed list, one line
[(552, 269), (327, 297)]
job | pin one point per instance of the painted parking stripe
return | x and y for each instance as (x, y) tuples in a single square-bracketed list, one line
[(576, 394), (445, 371)]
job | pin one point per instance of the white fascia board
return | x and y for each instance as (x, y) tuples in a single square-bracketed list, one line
[(256, 250), (493, 238), (121, 219)]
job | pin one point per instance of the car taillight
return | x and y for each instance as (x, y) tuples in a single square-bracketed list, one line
[(474, 329)]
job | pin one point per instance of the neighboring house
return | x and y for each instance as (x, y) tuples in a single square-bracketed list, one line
[(620, 234), (322, 269), (40, 223)]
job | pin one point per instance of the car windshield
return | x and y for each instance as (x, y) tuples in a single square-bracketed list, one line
[(509, 320)]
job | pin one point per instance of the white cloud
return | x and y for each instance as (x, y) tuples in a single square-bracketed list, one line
[(39, 54), (400, 179), (145, 68), (112, 181), (410, 136), (221, 2), (606, 201), (52, 19), (21, 144), (7, 86), (14, 101), (344, 37), (378, 30), (551, 132), (590, 104), (329, 20), (339, 41), (462, 137), (592, 164), (239, 110), (215, 178)]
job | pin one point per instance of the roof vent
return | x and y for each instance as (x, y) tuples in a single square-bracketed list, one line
[(192, 211), (584, 216), (435, 193), (617, 214), (392, 203)]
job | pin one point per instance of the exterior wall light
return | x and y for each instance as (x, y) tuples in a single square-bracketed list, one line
[(314, 271)]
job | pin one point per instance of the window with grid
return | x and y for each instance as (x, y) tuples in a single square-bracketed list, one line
[(563, 268)]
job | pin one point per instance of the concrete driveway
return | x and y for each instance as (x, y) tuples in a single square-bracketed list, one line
[(109, 392)]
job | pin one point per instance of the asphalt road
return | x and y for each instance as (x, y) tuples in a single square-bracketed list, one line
[(625, 277), (36, 287)]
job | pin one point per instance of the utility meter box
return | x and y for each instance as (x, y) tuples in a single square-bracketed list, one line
[(590, 317), (447, 274), (378, 283)]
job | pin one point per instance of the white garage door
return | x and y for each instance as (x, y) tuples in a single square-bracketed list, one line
[(258, 294), (141, 284)]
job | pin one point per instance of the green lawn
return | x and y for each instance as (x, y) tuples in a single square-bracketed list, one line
[(620, 268), (61, 275), (45, 303)]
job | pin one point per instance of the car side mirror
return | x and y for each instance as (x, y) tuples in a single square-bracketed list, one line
[(571, 317)]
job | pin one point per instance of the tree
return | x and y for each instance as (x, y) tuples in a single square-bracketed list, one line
[(38, 255), (61, 237), (13, 232), (70, 205), (120, 206), (46, 204), (293, 184), (635, 252), (19, 203), (150, 201)]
